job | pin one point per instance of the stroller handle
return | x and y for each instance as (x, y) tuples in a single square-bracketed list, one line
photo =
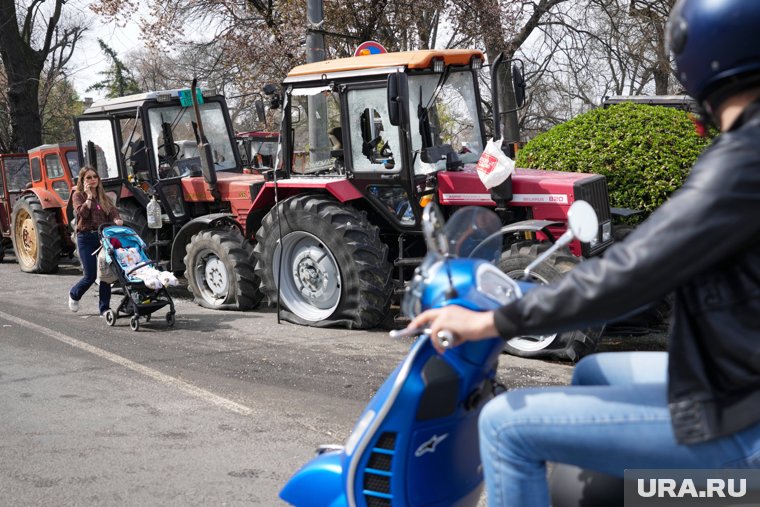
[(138, 266)]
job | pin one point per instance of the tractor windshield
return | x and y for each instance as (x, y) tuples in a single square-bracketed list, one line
[(173, 134), (17, 173), (444, 119)]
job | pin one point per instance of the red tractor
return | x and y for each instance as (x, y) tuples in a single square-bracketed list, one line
[(14, 178), (367, 142), (179, 147), (42, 218)]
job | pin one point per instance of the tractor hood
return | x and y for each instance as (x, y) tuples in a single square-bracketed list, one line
[(231, 186), (464, 188)]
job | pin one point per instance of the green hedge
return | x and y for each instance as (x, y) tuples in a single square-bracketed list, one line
[(644, 151)]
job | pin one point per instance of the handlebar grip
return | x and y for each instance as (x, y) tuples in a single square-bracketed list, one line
[(405, 333)]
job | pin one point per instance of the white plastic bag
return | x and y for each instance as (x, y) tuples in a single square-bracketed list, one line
[(105, 274), (494, 167)]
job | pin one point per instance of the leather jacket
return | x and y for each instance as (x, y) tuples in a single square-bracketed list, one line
[(703, 244)]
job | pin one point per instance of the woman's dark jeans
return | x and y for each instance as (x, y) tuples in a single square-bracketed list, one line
[(88, 242)]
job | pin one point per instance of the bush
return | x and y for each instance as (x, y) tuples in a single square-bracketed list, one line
[(644, 151)]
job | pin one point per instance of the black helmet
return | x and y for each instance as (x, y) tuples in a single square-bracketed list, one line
[(716, 46)]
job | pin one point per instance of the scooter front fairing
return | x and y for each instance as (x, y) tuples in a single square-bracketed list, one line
[(416, 443)]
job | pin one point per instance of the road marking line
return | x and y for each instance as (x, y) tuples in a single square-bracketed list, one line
[(149, 372)]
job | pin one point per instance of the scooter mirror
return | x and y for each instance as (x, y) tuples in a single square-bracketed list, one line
[(432, 228), (583, 221), (582, 225)]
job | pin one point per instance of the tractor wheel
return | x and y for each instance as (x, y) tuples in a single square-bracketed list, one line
[(569, 345), (335, 268), (218, 272), (135, 218), (36, 236)]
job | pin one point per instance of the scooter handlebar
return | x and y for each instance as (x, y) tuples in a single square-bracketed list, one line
[(444, 338), (406, 333)]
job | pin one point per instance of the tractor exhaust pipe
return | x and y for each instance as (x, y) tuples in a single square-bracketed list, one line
[(204, 148)]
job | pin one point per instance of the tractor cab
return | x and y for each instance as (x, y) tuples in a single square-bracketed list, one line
[(54, 169), (258, 149), (14, 178), (156, 142), (389, 122)]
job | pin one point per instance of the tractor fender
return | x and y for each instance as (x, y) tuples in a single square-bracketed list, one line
[(192, 228), (339, 188), (532, 226), (47, 198)]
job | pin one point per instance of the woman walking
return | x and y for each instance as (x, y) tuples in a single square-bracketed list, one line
[(93, 208)]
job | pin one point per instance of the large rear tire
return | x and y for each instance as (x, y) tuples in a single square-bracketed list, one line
[(566, 346), (336, 270), (218, 272), (36, 236)]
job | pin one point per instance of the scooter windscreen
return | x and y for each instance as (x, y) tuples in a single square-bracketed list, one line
[(470, 232), (473, 232)]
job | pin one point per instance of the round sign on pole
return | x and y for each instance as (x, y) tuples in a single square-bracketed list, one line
[(369, 48)]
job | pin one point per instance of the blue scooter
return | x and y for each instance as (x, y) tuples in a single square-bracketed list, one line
[(416, 443)]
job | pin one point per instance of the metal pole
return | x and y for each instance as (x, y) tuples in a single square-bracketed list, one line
[(319, 145)]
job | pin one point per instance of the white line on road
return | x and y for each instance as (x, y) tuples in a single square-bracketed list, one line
[(149, 372)]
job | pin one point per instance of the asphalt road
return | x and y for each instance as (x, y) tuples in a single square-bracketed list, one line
[(219, 410)]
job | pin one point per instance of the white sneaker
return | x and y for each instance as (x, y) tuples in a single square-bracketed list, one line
[(73, 304)]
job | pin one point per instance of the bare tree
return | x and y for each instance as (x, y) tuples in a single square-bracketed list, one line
[(592, 49), (30, 38)]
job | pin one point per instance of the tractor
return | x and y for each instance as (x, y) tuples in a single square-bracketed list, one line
[(14, 178), (258, 149), (42, 217), (366, 143), (178, 147)]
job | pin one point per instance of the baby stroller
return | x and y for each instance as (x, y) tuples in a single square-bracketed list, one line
[(126, 255)]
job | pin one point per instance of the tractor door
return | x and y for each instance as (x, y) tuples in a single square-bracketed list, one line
[(72, 163), (375, 153), (56, 178), (5, 210), (17, 178), (98, 146)]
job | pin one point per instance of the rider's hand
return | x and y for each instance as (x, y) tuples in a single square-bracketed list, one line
[(464, 324)]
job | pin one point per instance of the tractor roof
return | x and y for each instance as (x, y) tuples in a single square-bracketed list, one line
[(386, 62), (56, 146), (137, 100)]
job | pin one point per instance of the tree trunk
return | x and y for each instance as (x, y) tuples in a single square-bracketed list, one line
[(23, 66)]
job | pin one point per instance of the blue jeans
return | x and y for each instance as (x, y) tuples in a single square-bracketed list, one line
[(87, 243), (614, 417)]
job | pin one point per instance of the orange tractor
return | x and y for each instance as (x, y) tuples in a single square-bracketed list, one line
[(41, 220)]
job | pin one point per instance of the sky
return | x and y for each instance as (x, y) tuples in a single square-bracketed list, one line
[(88, 59)]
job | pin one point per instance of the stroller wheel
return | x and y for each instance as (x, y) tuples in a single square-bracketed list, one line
[(134, 323), (170, 319), (110, 318)]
